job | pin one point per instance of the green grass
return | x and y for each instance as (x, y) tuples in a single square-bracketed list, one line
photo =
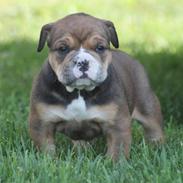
[(152, 32)]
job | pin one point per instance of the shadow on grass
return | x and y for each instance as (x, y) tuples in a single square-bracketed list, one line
[(20, 62)]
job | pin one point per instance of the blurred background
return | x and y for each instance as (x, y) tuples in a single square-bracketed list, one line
[(149, 30)]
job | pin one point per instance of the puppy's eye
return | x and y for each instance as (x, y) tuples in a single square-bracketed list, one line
[(64, 49), (100, 48)]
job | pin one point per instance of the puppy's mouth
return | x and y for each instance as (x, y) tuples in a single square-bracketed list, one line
[(81, 84), (82, 72)]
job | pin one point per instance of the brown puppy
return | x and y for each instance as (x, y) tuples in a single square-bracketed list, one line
[(85, 89)]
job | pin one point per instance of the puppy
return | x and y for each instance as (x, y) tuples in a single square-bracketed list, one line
[(85, 89)]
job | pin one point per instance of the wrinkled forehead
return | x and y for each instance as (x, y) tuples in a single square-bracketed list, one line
[(73, 42), (80, 28)]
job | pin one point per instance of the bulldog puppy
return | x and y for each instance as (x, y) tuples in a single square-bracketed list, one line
[(85, 89)]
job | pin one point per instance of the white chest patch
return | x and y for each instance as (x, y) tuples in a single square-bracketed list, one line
[(77, 111)]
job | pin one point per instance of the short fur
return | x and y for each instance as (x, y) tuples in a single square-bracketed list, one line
[(123, 95)]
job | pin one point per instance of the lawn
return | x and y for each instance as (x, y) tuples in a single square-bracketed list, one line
[(149, 30)]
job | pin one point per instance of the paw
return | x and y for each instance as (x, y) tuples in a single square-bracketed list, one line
[(50, 149), (81, 143)]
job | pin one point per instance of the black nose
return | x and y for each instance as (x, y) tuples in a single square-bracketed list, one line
[(83, 65)]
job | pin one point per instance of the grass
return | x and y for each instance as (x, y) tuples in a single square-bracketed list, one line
[(151, 31)]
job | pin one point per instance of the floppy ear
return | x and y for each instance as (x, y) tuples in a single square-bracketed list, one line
[(44, 35), (112, 33)]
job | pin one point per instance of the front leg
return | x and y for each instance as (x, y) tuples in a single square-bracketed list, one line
[(43, 136), (119, 138)]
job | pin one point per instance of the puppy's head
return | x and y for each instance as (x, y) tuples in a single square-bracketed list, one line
[(79, 47)]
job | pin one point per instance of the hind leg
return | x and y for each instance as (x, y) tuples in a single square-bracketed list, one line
[(81, 143), (148, 113)]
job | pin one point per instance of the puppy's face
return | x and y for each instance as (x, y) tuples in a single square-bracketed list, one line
[(79, 50), (81, 65)]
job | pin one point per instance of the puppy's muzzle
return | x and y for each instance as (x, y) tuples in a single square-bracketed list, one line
[(85, 66), (82, 66), (84, 71)]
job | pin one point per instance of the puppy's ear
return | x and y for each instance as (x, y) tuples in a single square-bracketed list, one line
[(112, 33), (44, 35)]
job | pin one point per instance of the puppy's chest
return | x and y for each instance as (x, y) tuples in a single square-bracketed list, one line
[(77, 110)]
